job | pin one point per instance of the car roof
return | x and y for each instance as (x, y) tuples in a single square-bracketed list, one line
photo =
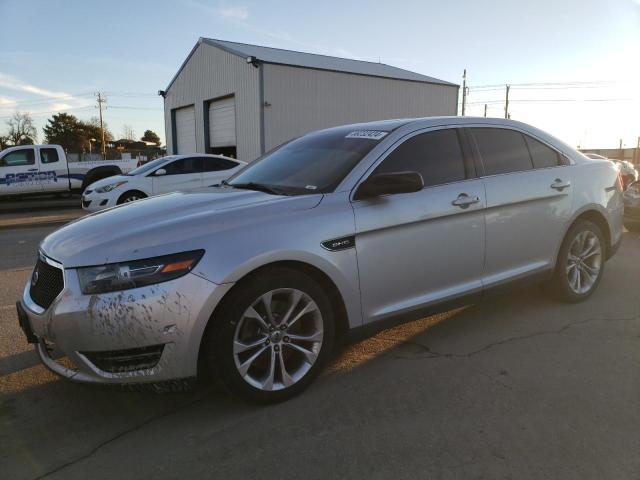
[(210, 155), (424, 122)]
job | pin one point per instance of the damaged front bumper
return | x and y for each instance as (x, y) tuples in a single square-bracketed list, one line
[(147, 334)]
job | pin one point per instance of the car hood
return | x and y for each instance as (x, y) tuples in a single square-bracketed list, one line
[(107, 181), (171, 223)]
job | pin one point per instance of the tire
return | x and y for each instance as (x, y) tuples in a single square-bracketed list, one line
[(130, 196), (580, 263), (248, 373)]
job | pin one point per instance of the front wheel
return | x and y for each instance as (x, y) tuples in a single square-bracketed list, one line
[(271, 336), (131, 196), (580, 262)]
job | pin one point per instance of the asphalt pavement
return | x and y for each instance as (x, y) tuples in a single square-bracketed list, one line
[(518, 386)]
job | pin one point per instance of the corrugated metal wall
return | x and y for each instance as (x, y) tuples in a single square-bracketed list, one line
[(212, 73), (302, 100)]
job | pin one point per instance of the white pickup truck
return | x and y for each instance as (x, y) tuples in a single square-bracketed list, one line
[(31, 169)]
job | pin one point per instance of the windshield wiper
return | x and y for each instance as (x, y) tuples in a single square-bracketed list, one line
[(259, 187)]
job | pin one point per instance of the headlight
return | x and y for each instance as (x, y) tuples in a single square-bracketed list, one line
[(138, 273), (111, 186)]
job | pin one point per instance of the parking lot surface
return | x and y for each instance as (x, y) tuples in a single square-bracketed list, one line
[(518, 386)]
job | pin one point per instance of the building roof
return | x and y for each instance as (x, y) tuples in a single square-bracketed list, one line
[(279, 56)]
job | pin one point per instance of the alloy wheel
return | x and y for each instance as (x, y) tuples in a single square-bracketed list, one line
[(278, 339), (584, 262)]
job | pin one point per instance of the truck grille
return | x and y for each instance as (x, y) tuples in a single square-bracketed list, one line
[(46, 283)]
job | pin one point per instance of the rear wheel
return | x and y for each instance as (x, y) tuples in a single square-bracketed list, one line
[(271, 336), (130, 196), (580, 262)]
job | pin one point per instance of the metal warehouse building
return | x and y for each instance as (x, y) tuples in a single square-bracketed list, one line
[(243, 100)]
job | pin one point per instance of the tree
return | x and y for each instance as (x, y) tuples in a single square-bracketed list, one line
[(74, 135), (21, 129), (151, 136), (128, 132), (65, 130), (4, 142)]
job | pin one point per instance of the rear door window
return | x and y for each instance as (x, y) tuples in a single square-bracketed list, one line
[(542, 155), (48, 155), (436, 155), (502, 150), (211, 164)]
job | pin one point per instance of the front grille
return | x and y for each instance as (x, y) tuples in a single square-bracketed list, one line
[(46, 283), (86, 203), (129, 360)]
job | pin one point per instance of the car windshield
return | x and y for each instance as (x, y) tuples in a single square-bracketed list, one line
[(147, 167), (314, 163)]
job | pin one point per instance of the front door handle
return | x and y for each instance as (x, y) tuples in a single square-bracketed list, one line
[(464, 200), (559, 185)]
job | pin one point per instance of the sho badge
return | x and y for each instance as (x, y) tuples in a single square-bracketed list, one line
[(341, 243)]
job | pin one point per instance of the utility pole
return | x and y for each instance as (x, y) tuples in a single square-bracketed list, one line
[(464, 91), (103, 146), (636, 154), (621, 151), (485, 110), (506, 103)]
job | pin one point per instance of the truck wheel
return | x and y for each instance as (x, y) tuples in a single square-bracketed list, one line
[(271, 336), (130, 196)]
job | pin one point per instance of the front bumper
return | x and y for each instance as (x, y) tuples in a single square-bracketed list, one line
[(171, 315), (93, 202)]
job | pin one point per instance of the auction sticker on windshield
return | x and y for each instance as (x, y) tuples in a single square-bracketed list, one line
[(370, 134)]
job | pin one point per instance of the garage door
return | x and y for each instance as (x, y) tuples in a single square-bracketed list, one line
[(186, 130), (222, 123)]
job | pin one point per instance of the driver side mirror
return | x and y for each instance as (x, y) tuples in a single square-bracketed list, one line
[(160, 172), (388, 184)]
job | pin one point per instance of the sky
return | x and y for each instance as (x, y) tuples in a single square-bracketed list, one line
[(574, 65)]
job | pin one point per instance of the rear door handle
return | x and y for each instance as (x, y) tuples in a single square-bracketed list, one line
[(558, 184), (464, 200), (32, 170)]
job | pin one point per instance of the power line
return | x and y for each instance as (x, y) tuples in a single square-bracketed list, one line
[(123, 107), (24, 103), (537, 84), (41, 114), (554, 100)]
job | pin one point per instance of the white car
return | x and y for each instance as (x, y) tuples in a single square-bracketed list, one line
[(163, 175)]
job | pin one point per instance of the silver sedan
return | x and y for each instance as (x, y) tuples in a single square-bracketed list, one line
[(345, 230)]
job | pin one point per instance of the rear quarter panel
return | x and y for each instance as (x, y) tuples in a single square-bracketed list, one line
[(596, 187)]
